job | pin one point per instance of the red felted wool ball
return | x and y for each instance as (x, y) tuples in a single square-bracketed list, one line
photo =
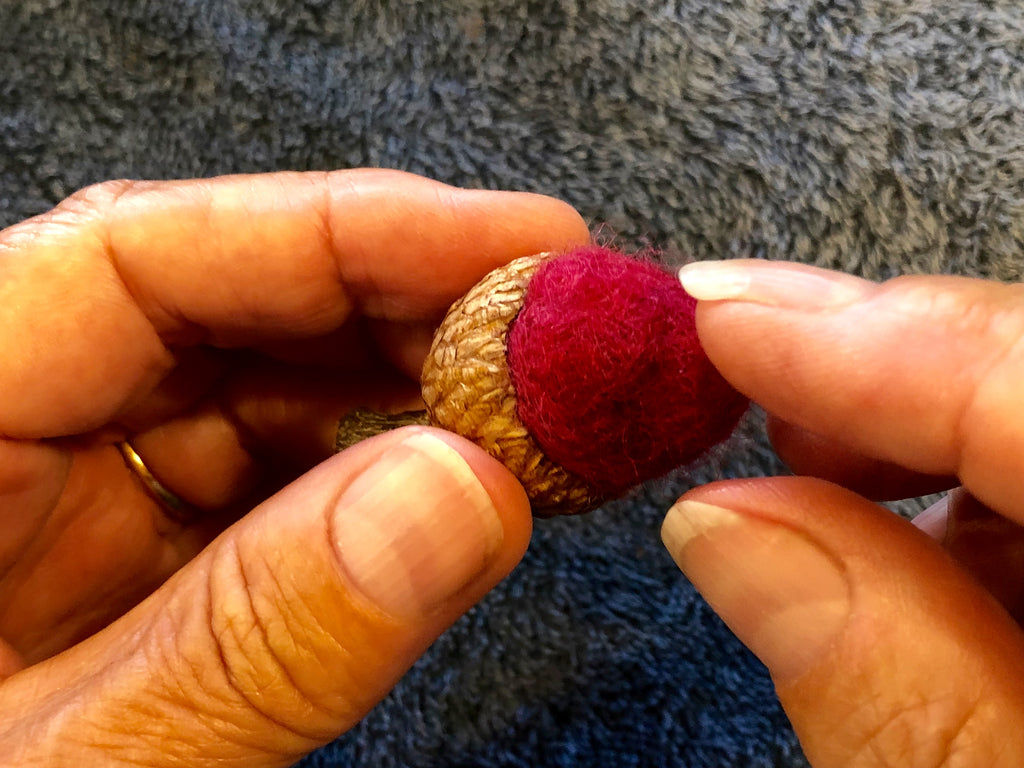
[(609, 376)]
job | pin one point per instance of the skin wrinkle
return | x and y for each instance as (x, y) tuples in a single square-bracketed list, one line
[(311, 626), (55, 704), (114, 738), (968, 439), (979, 318), (325, 225), (370, 295), (959, 454), (339, 654), (242, 733), (104, 213), (906, 718), (81, 216), (232, 669), (248, 440), (178, 329), (250, 215), (31, 557), (168, 656), (41, 522), (199, 672), (220, 727)]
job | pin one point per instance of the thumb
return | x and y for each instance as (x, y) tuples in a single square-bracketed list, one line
[(882, 650), (289, 627)]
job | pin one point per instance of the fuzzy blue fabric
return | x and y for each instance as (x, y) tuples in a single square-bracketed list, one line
[(874, 136)]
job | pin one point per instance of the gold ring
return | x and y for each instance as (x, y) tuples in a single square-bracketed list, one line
[(176, 508)]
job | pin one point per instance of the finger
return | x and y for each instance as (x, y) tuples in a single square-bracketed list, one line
[(80, 552), (882, 650), (126, 269), (292, 624), (262, 427), (923, 372), (807, 453), (31, 479), (290, 415)]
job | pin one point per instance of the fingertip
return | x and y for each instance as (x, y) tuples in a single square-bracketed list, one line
[(439, 239), (528, 223), (429, 525), (564, 223), (934, 521), (506, 493), (783, 594), (555, 219), (920, 371), (855, 613)]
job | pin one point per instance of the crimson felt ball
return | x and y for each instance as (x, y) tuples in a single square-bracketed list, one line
[(609, 376)]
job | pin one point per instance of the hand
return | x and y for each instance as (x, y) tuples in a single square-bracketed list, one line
[(886, 648), (223, 326)]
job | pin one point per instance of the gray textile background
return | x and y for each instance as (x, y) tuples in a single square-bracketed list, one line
[(877, 136)]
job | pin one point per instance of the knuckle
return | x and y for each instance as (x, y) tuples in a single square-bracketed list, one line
[(998, 364), (84, 210), (274, 655), (255, 648), (977, 312), (979, 327), (96, 200)]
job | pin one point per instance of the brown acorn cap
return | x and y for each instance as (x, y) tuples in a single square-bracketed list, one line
[(467, 389)]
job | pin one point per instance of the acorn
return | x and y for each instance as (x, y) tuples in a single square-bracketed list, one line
[(581, 372)]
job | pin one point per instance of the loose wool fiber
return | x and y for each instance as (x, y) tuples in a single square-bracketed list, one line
[(610, 377)]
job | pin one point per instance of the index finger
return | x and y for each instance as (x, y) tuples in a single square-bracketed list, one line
[(924, 372), (95, 294)]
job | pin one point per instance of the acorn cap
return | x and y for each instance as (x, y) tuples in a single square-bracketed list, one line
[(468, 390)]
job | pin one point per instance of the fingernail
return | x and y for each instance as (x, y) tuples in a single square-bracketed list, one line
[(935, 519), (781, 594), (772, 283), (416, 527)]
